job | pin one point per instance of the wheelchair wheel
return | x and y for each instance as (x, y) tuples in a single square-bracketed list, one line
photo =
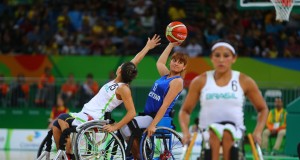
[(47, 149), (164, 144), (92, 142)]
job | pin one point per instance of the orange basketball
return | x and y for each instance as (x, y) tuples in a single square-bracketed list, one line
[(176, 32)]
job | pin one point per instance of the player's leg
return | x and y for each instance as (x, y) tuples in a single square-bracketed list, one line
[(231, 140), (56, 132), (227, 143), (214, 142), (143, 122), (265, 139), (65, 121), (279, 138)]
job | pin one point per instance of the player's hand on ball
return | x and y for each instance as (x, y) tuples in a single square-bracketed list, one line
[(176, 43)]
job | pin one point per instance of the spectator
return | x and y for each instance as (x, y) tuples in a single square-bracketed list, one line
[(69, 89), (110, 48), (88, 89), (28, 29), (194, 49), (19, 91), (58, 109), (4, 88), (68, 48), (45, 91), (292, 49), (276, 126), (176, 11)]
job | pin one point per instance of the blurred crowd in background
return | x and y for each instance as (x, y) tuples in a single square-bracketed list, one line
[(45, 91), (121, 27)]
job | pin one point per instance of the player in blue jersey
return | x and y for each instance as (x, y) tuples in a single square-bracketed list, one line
[(110, 96), (162, 95)]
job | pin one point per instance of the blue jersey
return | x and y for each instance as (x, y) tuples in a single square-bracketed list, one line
[(157, 94)]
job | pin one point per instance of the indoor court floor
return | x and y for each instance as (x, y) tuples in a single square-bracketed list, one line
[(31, 155)]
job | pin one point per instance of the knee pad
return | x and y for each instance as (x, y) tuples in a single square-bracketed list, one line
[(55, 123)]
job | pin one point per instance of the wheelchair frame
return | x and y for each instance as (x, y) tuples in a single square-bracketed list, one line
[(79, 131), (165, 143)]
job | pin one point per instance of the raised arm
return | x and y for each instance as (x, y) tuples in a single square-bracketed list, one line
[(176, 86), (189, 105), (254, 95), (151, 43), (125, 93), (162, 60)]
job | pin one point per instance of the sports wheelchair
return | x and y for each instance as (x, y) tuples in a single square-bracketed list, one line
[(164, 144), (90, 141), (237, 151)]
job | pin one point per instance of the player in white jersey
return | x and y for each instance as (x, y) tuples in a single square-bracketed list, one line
[(221, 93), (110, 96)]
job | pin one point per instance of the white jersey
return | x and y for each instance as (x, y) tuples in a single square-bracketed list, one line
[(224, 103), (104, 101)]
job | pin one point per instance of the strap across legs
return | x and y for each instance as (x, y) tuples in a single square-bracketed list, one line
[(136, 133)]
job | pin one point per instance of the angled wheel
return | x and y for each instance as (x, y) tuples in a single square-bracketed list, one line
[(165, 144), (92, 142), (47, 149)]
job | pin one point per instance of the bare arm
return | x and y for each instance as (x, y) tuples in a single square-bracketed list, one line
[(254, 95), (162, 60), (176, 86), (151, 43), (125, 93), (189, 105)]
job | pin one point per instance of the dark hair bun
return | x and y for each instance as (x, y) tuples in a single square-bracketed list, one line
[(128, 72)]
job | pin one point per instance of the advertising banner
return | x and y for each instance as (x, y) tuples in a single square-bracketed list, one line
[(23, 139), (3, 138)]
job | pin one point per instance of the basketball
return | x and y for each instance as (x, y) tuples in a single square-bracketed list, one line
[(176, 32)]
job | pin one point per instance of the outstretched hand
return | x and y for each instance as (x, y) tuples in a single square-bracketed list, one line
[(153, 42)]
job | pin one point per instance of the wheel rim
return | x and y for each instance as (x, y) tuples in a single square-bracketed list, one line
[(164, 144), (94, 143)]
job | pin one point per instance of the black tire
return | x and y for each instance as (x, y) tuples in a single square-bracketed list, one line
[(47, 145), (93, 141), (42, 147), (165, 143)]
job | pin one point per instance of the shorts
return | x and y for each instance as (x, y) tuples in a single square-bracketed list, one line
[(65, 117), (219, 129), (79, 118), (73, 119)]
